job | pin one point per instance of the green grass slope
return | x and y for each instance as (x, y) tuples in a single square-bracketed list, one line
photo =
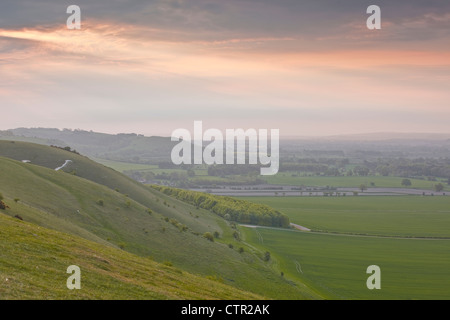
[(171, 232), (34, 260), (85, 168)]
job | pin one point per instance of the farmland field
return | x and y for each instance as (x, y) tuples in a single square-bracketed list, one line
[(123, 166), (335, 264), (405, 216)]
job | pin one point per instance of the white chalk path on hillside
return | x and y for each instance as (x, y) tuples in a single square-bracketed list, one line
[(299, 227), (260, 238), (298, 266), (296, 226), (65, 164)]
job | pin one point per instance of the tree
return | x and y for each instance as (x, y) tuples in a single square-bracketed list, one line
[(406, 182), (438, 187), (384, 171), (208, 236), (191, 173), (362, 187), (361, 171), (332, 172)]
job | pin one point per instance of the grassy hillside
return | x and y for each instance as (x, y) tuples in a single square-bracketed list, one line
[(81, 166), (135, 218), (34, 260)]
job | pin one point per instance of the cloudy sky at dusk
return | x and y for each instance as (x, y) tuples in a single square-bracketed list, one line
[(150, 67)]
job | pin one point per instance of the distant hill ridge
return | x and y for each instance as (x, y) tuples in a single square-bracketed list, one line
[(137, 148), (98, 145), (387, 136)]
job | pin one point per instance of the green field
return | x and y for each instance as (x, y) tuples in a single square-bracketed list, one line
[(335, 265), (124, 166), (407, 237), (400, 216), (201, 173)]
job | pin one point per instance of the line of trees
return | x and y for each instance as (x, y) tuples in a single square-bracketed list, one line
[(226, 170), (231, 209), (400, 167)]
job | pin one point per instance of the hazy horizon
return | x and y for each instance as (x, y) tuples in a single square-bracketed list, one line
[(308, 69), (369, 136)]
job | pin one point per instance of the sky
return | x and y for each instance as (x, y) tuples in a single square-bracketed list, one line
[(150, 67)]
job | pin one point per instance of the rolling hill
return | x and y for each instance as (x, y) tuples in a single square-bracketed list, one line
[(34, 261), (88, 200)]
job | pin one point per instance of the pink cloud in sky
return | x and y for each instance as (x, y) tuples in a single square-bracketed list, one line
[(92, 77)]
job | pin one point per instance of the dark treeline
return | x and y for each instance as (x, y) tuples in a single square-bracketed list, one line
[(238, 169), (306, 167), (171, 165), (412, 167), (66, 149), (418, 168), (338, 162), (230, 209)]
